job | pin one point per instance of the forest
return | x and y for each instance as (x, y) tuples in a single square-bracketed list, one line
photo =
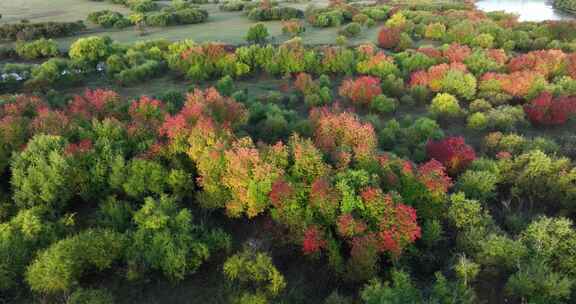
[(426, 155)]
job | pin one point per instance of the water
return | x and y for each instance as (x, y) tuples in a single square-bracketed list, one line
[(528, 10)]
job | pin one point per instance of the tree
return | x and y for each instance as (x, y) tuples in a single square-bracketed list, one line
[(445, 105), (166, 240), (59, 267), (389, 38), (249, 177), (257, 33), (452, 152), (343, 135), (91, 49), (41, 174), (546, 110), (20, 237), (362, 90), (255, 274), (41, 48)]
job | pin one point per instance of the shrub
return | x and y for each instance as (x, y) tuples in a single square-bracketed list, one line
[(142, 6), (91, 296), (257, 33), (352, 29), (445, 105), (293, 27), (232, 5), (484, 41), (435, 31), (41, 48), (107, 18), (274, 13), (31, 31)]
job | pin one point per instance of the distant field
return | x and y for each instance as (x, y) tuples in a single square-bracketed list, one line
[(51, 10), (228, 27)]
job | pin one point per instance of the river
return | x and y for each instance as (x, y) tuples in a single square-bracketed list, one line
[(528, 10)]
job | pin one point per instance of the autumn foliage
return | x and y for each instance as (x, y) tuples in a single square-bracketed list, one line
[(343, 135), (389, 37), (362, 90), (452, 152), (547, 110), (543, 62)]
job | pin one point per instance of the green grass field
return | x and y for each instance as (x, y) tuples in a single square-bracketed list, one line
[(227, 27)]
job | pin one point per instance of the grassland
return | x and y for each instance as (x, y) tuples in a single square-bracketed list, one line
[(227, 27)]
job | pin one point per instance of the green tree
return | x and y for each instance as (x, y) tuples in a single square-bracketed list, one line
[(60, 267), (166, 240), (91, 49), (41, 174), (255, 275), (257, 33)]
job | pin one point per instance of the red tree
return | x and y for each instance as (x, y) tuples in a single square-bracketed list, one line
[(452, 152), (457, 52), (545, 110), (343, 134), (313, 240), (433, 175), (362, 90), (388, 38)]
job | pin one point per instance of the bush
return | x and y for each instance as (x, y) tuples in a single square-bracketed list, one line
[(257, 33), (484, 41), (107, 18), (142, 6), (293, 27), (351, 29), (91, 296), (445, 105), (435, 31), (31, 31), (274, 13), (41, 48)]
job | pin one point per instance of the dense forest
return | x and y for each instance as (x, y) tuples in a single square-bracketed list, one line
[(434, 164)]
